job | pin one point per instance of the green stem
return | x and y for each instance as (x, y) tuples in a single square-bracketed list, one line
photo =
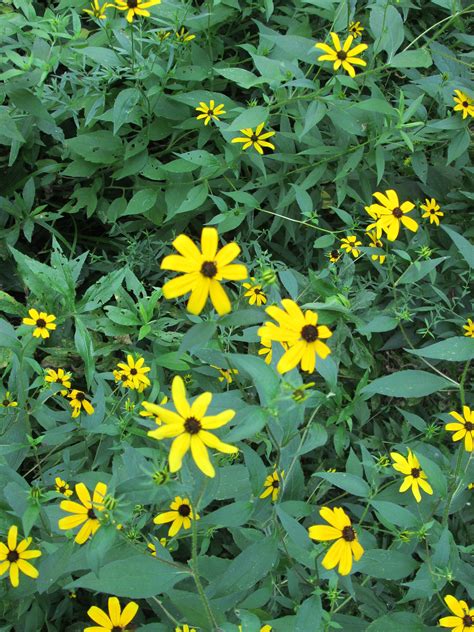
[(197, 579)]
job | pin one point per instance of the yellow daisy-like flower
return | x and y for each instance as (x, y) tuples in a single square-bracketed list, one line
[(342, 55), (375, 243), (414, 475), (333, 255), (463, 427), (255, 138), (346, 546), (272, 484), (62, 487), (183, 36), (349, 244), (85, 513), (117, 619), (432, 210), (156, 418), (203, 271), (14, 556), (463, 619), (190, 427), (464, 104), (79, 402), (180, 516), (209, 112), (152, 547), (266, 350), (134, 372), (391, 214), (355, 29), (42, 322), (300, 332), (255, 293), (97, 11), (225, 374), (7, 401), (59, 377), (469, 327), (135, 7)]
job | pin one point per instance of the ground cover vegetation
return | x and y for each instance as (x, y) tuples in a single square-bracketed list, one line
[(236, 316)]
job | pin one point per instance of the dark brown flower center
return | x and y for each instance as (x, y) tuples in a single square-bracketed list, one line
[(334, 254), (469, 426), (210, 112), (132, 4), (415, 472), (342, 55), (309, 333), (91, 514), (62, 489), (41, 323), (465, 104), (348, 534), (275, 484), (117, 628), (184, 510), (80, 397), (133, 371), (6, 402), (13, 556), (192, 425), (254, 138), (397, 212), (468, 621), (257, 290), (209, 269)]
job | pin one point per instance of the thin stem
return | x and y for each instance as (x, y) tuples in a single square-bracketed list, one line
[(197, 579)]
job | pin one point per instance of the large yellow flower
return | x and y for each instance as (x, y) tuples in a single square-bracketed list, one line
[(414, 475), (190, 428), (180, 516), (300, 332), (463, 427), (463, 620), (345, 547), (42, 322), (135, 7), (117, 620), (203, 271), (133, 373), (255, 138), (84, 514), (342, 55), (391, 214), (463, 103), (14, 556)]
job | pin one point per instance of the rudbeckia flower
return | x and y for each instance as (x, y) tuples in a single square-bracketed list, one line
[(414, 475), (463, 619), (342, 55), (391, 214), (255, 293), (7, 401), (375, 243), (266, 350), (469, 327), (59, 377), (152, 547), (463, 427), (96, 10), (464, 104), (133, 373), (116, 620), (355, 29), (272, 485), (183, 36), (156, 418), (432, 210), (300, 332), (14, 556), (42, 322), (180, 516), (78, 402), (225, 374), (333, 255), (203, 271), (255, 139), (190, 427), (209, 112), (349, 244), (85, 512), (135, 7), (62, 487), (264, 628), (345, 547)]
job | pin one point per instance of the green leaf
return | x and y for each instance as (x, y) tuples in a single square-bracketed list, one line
[(85, 348), (407, 383), (418, 270), (250, 422), (463, 245), (123, 107), (394, 514), (397, 621), (456, 349), (309, 615), (387, 564), (241, 77), (142, 201), (233, 515), (420, 58), (348, 482), (263, 377), (250, 118)]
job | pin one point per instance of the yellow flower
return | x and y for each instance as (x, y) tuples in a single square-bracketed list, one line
[(255, 293), (355, 29), (180, 516), (116, 620), (431, 208), (152, 547), (225, 374), (182, 35), (391, 214), (376, 243), (14, 556), (470, 486), (85, 513), (97, 11), (7, 401), (42, 321), (463, 427), (189, 427), (162, 35), (134, 373), (266, 350), (255, 139), (210, 112), (342, 55), (300, 331), (333, 255), (203, 271), (469, 327), (59, 377), (156, 418), (349, 244), (264, 628), (272, 484), (79, 402), (135, 7), (464, 104), (62, 487), (345, 547), (464, 616), (414, 475)]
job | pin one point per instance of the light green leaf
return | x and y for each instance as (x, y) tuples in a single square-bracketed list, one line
[(407, 383), (420, 58), (456, 349)]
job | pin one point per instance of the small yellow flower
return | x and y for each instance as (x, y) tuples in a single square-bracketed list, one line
[(333, 255), (414, 475), (463, 427), (390, 214), (134, 372), (272, 484), (469, 327), (62, 487), (156, 418), (210, 112), (349, 244), (116, 620), (152, 547), (135, 7), (264, 628), (225, 374), (255, 138), (432, 210), (463, 619), (183, 36), (355, 29), (342, 55), (14, 556), (83, 513), (42, 322), (464, 104), (255, 293), (180, 516), (97, 11), (59, 377), (162, 35), (78, 402), (376, 243), (470, 486), (7, 401), (266, 350)]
